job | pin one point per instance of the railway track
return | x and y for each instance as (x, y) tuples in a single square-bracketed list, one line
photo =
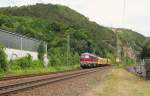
[(15, 85), (32, 75)]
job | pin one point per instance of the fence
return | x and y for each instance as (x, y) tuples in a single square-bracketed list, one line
[(16, 41), (143, 69)]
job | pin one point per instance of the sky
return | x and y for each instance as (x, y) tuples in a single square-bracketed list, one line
[(131, 14)]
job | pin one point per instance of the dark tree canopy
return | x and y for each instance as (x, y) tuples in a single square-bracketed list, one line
[(146, 50)]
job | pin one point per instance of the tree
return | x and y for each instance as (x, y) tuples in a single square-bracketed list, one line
[(55, 27), (1, 21), (146, 50), (3, 59), (41, 51)]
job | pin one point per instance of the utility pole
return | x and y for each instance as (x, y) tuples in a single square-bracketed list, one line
[(21, 45), (118, 49), (46, 56), (68, 49), (12, 3), (124, 11), (94, 50)]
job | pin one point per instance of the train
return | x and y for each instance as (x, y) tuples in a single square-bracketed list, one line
[(88, 60)]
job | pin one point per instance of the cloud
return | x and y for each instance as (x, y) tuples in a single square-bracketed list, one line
[(139, 24)]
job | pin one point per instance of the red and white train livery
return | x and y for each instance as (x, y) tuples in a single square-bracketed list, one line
[(91, 60)]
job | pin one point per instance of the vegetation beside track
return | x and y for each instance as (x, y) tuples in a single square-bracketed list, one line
[(37, 70), (25, 66), (119, 82), (53, 24), (3, 60)]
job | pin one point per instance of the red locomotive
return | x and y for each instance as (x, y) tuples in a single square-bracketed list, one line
[(91, 60)]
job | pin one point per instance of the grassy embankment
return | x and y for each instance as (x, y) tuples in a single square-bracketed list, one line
[(37, 70), (119, 82)]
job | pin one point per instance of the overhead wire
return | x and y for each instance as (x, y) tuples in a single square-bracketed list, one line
[(124, 12), (41, 1), (11, 2)]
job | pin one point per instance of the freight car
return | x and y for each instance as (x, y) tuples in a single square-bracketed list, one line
[(88, 60)]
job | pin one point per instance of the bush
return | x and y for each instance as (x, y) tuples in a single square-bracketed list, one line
[(25, 63), (126, 61), (37, 64), (3, 59), (58, 57), (21, 63)]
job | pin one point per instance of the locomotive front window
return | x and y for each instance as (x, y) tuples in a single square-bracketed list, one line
[(86, 56)]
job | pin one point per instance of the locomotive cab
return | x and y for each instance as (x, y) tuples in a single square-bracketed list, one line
[(87, 60)]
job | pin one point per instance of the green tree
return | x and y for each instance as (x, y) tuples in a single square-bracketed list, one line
[(41, 51), (146, 50), (3, 59)]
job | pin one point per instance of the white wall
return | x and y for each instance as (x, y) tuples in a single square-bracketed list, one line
[(14, 54)]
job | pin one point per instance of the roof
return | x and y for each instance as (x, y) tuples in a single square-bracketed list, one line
[(19, 35)]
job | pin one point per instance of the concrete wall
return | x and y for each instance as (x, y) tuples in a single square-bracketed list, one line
[(14, 54)]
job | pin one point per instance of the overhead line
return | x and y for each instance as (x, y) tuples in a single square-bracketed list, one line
[(124, 11)]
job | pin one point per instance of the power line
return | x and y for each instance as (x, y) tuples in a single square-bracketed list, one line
[(40, 1), (124, 11), (12, 2)]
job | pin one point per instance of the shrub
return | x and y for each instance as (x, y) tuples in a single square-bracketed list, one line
[(36, 64), (3, 59), (21, 63), (126, 61), (58, 57)]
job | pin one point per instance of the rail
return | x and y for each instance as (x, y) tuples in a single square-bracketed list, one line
[(25, 83)]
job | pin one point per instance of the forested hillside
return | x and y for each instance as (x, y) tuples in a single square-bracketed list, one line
[(131, 39), (53, 23)]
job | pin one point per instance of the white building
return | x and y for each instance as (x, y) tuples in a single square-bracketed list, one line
[(18, 45)]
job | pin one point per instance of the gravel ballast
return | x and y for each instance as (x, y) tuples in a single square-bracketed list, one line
[(78, 86)]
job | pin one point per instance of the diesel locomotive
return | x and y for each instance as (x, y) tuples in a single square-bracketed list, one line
[(88, 60)]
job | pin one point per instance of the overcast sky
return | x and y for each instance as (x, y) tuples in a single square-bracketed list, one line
[(105, 12)]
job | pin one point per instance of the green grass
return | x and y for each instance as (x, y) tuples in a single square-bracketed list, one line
[(38, 70), (119, 82)]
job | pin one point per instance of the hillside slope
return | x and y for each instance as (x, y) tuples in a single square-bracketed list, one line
[(53, 23), (131, 42)]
